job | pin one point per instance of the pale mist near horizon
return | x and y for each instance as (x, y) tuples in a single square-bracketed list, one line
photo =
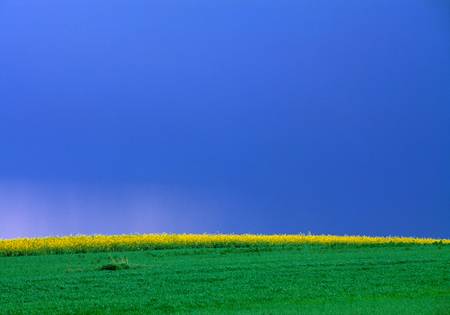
[(323, 117)]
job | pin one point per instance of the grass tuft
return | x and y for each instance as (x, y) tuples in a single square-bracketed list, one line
[(116, 264)]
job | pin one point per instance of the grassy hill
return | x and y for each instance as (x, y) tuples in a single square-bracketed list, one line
[(303, 278)]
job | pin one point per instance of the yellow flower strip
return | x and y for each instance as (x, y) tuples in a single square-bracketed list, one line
[(98, 243)]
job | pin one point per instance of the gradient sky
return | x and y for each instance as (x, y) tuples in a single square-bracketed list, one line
[(225, 116)]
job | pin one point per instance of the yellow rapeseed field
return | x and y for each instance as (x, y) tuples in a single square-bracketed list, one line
[(96, 243)]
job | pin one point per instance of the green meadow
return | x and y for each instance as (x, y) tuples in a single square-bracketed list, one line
[(302, 279)]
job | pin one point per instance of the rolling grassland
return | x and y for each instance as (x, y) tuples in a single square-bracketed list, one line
[(200, 274)]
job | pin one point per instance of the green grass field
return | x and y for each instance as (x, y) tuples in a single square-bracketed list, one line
[(303, 279)]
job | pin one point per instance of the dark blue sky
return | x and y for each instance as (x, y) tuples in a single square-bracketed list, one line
[(225, 116)]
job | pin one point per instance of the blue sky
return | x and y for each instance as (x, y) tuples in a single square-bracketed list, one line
[(225, 116)]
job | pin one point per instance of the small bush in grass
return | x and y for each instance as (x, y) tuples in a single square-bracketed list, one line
[(116, 264)]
